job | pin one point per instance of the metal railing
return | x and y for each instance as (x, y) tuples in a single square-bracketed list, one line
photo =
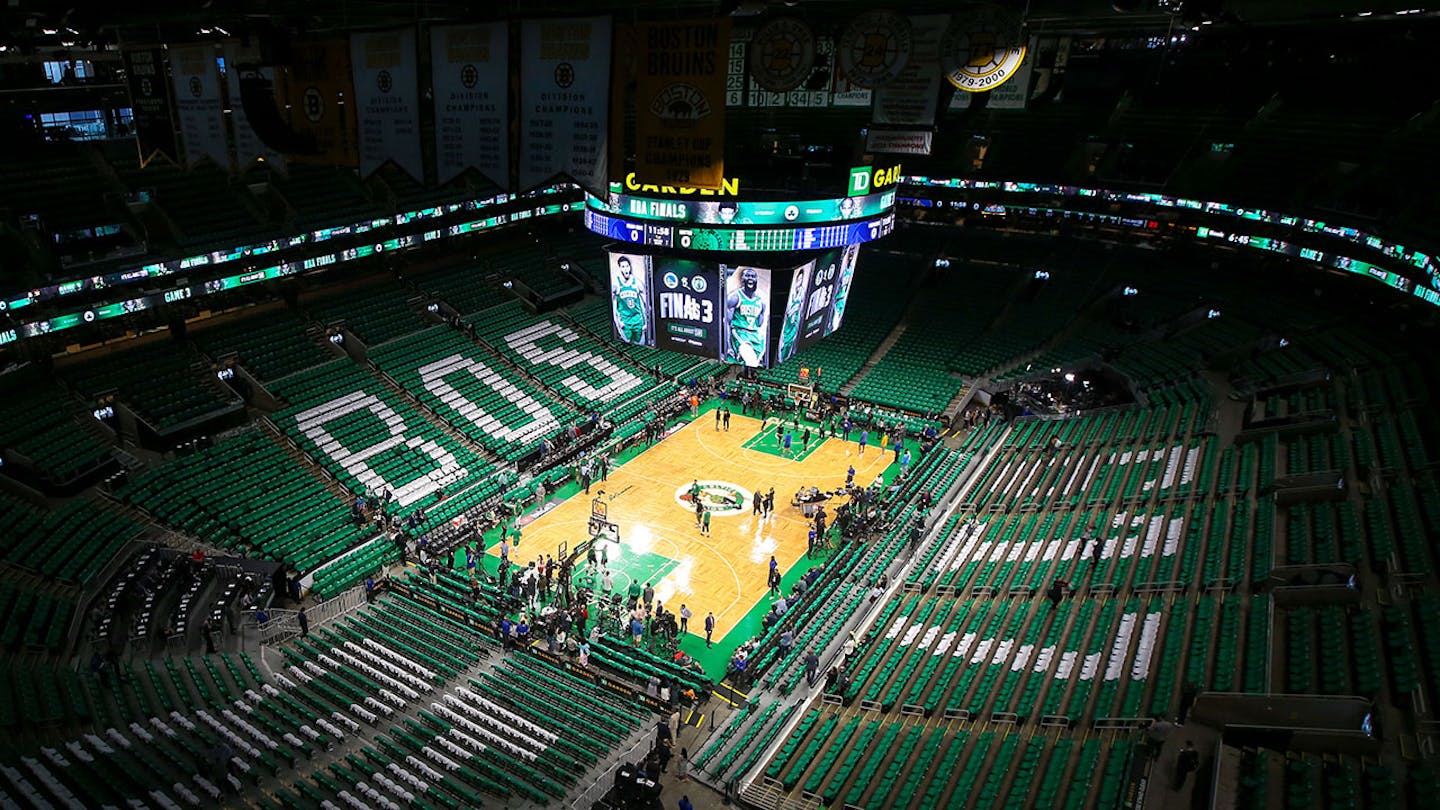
[(284, 625)]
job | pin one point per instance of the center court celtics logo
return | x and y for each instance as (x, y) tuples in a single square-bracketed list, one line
[(721, 498)]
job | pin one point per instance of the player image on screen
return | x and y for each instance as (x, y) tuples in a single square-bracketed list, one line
[(842, 287), (847, 208), (794, 306), (722, 213), (630, 298), (746, 316)]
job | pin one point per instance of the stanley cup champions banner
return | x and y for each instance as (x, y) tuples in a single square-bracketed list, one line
[(198, 103), (564, 100), (680, 102), (469, 70), (387, 100), (248, 146), (150, 103), (314, 88)]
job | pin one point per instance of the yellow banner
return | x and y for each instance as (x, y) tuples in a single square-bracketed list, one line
[(679, 71), (314, 89)]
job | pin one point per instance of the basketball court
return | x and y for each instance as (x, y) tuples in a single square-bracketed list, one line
[(649, 498)]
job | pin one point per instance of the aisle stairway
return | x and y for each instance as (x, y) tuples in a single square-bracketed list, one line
[(875, 356)]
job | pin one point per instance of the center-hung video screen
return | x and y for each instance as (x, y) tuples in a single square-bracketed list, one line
[(737, 312)]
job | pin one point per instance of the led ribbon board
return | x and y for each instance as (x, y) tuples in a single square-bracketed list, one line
[(729, 213)]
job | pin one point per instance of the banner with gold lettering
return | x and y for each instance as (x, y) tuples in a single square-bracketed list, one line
[(315, 88), (680, 102), (564, 100), (387, 100), (469, 70)]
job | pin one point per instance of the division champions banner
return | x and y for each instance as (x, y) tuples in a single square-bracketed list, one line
[(469, 70), (387, 100), (564, 100), (198, 103), (680, 102), (150, 103), (314, 88)]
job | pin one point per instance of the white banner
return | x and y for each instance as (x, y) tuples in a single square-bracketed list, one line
[(387, 100), (911, 97), (248, 146), (564, 100), (900, 141), (469, 73), (198, 103)]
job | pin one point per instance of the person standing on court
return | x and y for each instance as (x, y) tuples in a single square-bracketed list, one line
[(685, 615), (727, 419), (785, 449), (864, 440), (805, 440), (755, 502), (717, 420), (705, 523), (709, 627), (649, 596)]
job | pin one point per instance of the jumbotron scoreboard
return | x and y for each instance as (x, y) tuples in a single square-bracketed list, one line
[(745, 281)]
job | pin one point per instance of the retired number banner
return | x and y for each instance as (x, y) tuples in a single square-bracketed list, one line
[(469, 70), (564, 100), (387, 100), (198, 103), (680, 102)]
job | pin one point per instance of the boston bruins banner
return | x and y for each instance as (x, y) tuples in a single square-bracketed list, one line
[(314, 88), (469, 71), (983, 49), (248, 146), (387, 100), (564, 100), (910, 99), (782, 54), (874, 48), (198, 104), (150, 103), (680, 102)]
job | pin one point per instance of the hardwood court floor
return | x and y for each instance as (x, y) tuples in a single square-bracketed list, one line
[(726, 571)]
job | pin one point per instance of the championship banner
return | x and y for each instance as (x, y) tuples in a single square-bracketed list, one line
[(874, 48), (983, 49), (469, 71), (564, 100), (248, 146), (782, 54), (313, 88), (198, 103), (900, 141), (150, 103), (910, 99), (845, 93), (387, 100), (680, 102)]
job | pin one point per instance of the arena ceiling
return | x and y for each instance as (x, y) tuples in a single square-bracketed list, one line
[(173, 19)]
